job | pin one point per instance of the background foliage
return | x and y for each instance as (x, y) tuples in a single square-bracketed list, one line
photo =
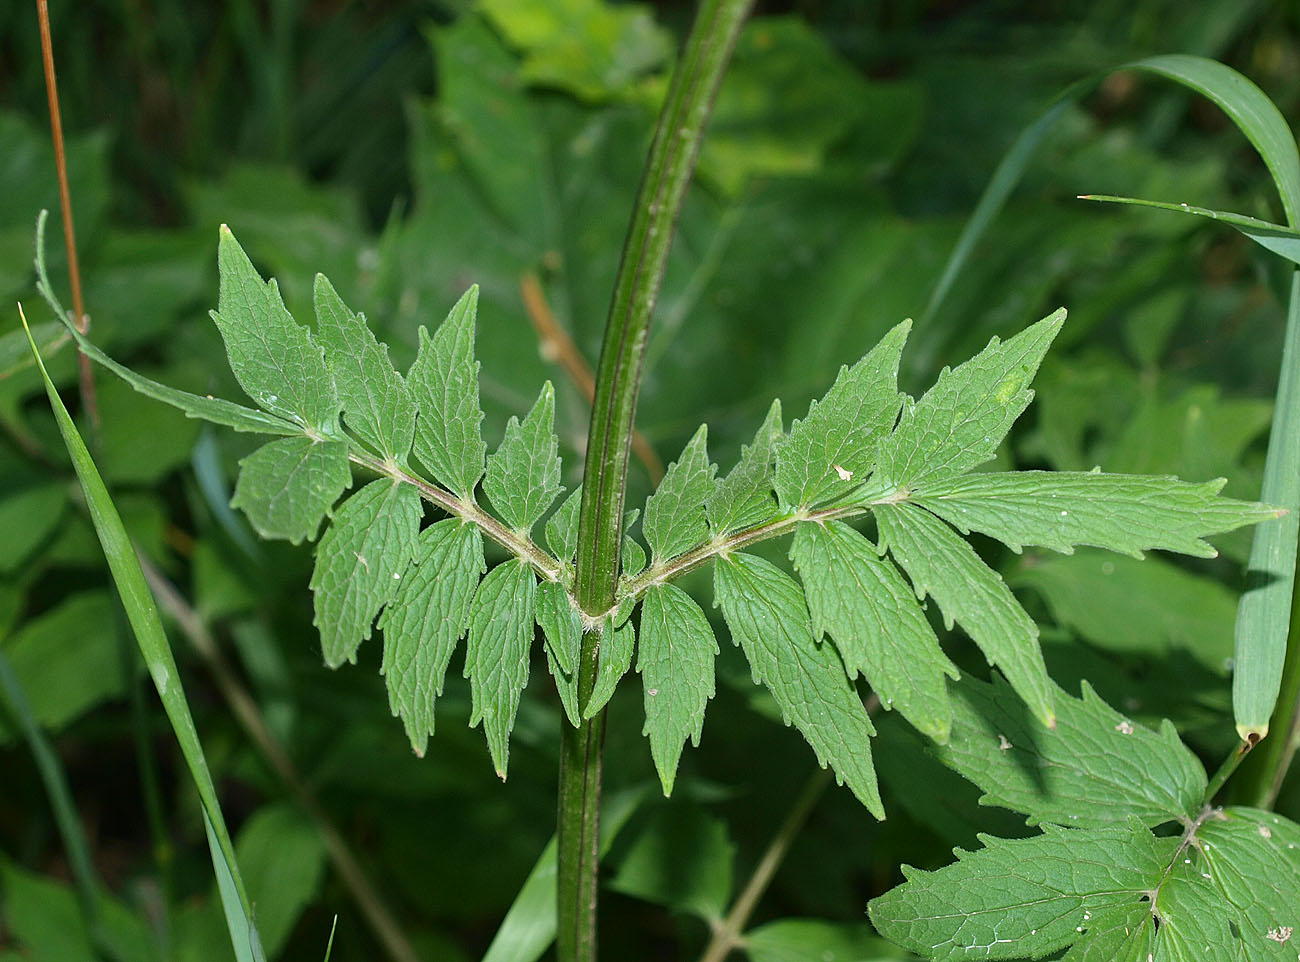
[(407, 150)]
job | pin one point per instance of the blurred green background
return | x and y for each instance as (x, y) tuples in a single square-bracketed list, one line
[(407, 150)]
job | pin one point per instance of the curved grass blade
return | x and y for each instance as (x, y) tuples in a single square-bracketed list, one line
[(143, 615), (1277, 238)]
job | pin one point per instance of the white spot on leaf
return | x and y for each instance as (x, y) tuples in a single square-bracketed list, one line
[(844, 474)]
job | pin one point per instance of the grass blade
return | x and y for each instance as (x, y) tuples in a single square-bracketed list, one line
[(143, 615)]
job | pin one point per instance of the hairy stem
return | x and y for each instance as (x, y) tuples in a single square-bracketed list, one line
[(668, 171)]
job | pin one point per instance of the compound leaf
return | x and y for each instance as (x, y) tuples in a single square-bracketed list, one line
[(862, 601), (1096, 768), (377, 405), (674, 514), (360, 562), (962, 419), (768, 618), (427, 619), (676, 666), (274, 358), (286, 487), (523, 474), (560, 623), (1128, 513), (744, 497), (969, 592), (617, 645), (444, 383), (833, 449), (496, 660)]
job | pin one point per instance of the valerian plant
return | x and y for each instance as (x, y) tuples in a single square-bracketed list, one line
[(389, 473), (865, 451)]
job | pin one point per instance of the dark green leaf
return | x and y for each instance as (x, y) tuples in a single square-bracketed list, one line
[(496, 660), (360, 562), (744, 497), (287, 486), (945, 567), (523, 475), (674, 514), (769, 620), (426, 619), (862, 601)]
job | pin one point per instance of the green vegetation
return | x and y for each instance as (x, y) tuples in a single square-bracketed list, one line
[(955, 528)]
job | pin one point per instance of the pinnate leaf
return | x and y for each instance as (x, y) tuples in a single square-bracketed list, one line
[(275, 359), (444, 383), (286, 487), (969, 592), (377, 405), (744, 497), (617, 646), (1096, 768), (1228, 890), (768, 618), (560, 623), (960, 422), (425, 621), (496, 660), (676, 666), (1128, 513), (523, 475), (674, 514), (833, 449), (862, 601), (360, 562)]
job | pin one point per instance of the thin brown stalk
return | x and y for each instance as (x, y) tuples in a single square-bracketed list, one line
[(80, 318), (249, 715), (727, 934), (558, 348)]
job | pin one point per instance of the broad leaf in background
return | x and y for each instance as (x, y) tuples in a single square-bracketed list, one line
[(768, 618), (862, 601), (833, 448), (1228, 889), (588, 48), (1128, 606), (444, 377), (426, 619), (676, 666), (286, 487), (798, 940), (377, 405), (969, 592), (959, 423), (496, 659), (360, 562), (1097, 768), (276, 361), (523, 475), (674, 514), (283, 858)]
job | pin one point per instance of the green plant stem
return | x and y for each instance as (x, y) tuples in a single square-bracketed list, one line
[(726, 936), (668, 171)]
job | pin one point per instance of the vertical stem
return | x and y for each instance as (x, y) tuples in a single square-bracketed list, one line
[(65, 203), (668, 171)]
